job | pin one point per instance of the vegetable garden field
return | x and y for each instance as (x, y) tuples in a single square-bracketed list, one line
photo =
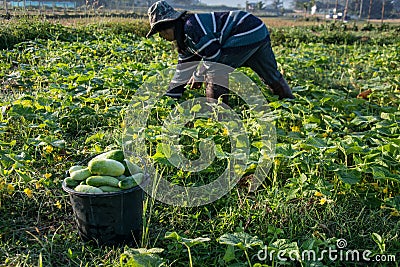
[(334, 184)]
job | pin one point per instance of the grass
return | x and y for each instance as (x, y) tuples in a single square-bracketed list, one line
[(334, 175), (57, 243)]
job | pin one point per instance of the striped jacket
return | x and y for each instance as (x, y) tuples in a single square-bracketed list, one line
[(208, 36)]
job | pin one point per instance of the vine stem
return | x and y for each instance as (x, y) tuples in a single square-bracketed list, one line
[(247, 257), (190, 256)]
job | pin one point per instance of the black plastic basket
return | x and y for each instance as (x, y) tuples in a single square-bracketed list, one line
[(108, 218)]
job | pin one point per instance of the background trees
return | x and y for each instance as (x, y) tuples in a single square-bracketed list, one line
[(370, 9)]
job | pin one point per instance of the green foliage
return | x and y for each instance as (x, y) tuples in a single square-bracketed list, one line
[(335, 173), (142, 257), (187, 242), (243, 241), (30, 29), (335, 33)]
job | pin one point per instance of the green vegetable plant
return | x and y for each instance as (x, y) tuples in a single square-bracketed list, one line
[(241, 240), (64, 93), (187, 242), (142, 257), (380, 241)]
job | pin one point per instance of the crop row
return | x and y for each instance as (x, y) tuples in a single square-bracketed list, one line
[(64, 99), (75, 89), (14, 32)]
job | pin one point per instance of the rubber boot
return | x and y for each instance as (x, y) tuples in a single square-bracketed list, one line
[(282, 89)]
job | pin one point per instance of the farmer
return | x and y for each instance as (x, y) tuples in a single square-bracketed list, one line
[(234, 38)]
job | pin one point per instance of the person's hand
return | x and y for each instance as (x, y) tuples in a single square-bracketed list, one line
[(195, 83)]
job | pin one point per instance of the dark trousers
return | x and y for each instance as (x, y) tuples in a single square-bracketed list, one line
[(260, 59)]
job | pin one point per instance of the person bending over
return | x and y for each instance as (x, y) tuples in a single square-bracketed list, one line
[(234, 38)]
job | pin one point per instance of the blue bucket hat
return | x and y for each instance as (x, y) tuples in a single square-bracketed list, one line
[(161, 12)]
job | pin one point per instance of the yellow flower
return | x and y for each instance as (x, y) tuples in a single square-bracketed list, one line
[(10, 188), (37, 185), (296, 129), (324, 135), (58, 204), (2, 185), (385, 190), (375, 185), (395, 213), (47, 175), (164, 56), (318, 194), (225, 132), (48, 149), (28, 192), (322, 201)]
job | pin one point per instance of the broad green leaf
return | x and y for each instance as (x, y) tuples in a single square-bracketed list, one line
[(285, 248), (349, 176), (195, 108), (241, 240), (142, 260), (380, 242), (229, 254), (187, 241), (194, 241), (134, 251), (141, 257), (159, 156), (383, 173), (194, 133), (95, 137), (219, 152), (274, 230), (166, 149)]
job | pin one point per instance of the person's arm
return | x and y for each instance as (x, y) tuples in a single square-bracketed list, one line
[(210, 34), (187, 65), (202, 37)]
